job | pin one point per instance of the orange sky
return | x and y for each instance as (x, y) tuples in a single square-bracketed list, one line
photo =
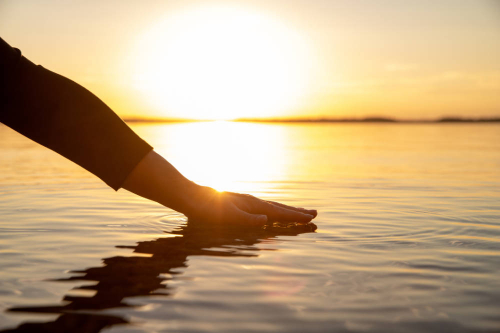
[(404, 59)]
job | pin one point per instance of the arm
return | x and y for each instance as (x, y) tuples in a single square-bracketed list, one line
[(65, 117)]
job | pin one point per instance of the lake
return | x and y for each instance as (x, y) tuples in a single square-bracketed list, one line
[(408, 236)]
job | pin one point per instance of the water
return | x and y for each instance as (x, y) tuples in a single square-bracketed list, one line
[(408, 236)]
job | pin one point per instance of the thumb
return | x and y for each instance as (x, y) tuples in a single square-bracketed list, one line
[(238, 216)]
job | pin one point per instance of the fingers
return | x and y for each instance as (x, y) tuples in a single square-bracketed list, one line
[(251, 199), (274, 211), (312, 212), (236, 215), (282, 214)]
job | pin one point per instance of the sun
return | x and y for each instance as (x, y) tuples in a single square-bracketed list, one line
[(221, 63)]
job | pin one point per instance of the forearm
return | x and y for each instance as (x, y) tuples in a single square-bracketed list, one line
[(154, 178)]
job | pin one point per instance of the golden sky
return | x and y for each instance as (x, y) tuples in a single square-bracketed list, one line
[(229, 59)]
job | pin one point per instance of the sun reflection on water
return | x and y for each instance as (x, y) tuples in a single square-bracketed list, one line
[(228, 156)]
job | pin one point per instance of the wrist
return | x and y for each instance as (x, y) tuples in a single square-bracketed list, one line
[(182, 196)]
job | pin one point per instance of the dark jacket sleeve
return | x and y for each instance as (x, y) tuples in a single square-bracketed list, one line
[(65, 117)]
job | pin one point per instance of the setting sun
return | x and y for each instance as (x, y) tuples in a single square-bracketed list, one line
[(222, 63)]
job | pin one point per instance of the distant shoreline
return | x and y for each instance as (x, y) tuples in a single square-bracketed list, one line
[(326, 120)]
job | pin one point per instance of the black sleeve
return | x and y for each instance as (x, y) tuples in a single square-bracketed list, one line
[(65, 117)]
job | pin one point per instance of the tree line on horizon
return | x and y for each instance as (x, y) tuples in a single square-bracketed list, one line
[(331, 120)]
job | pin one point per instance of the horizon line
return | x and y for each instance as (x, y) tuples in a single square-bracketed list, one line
[(322, 120)]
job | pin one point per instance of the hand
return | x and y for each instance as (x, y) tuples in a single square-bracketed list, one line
[(156, 179), (210, 205)]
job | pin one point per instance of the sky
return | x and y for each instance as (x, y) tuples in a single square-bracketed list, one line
[(269, 59)]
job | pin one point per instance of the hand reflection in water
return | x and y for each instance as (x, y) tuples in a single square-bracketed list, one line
[(123, 277)]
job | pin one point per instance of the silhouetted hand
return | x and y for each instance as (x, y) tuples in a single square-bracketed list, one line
[(156, 179), (228, 207)]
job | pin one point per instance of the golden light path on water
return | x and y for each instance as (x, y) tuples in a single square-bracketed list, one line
[(228, 156)]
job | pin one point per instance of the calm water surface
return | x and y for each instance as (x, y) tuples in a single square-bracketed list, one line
[(408, 236)]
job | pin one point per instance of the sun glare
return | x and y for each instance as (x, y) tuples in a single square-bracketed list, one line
[(221, 63), (228, 156)]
